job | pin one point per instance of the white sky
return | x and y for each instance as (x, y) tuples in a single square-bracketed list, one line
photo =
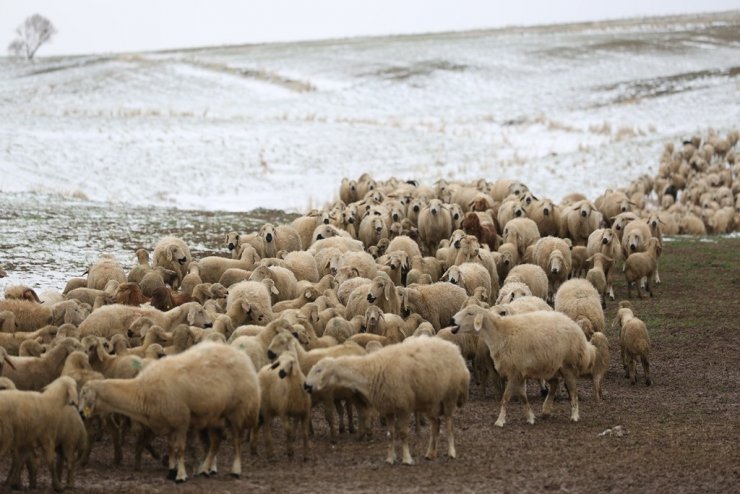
[(93, 26)]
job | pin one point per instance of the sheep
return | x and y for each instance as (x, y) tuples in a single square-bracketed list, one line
[(520, 305), (396, 265), (206, 387), (302, 264), (509, 210), (577, 298), (597, 275), (255, 346), (522, 232), (421, 375), (535, 345), (156, 278), (381, 292), (546, 215), (471, 276), (77, 366), (635, 237), (118, 319), (143, 267), (165, 299), (505, 187), (249, 301), (435, 224), (553, 256), (173, 253), (435, 303), (406, 244), (513, 290), (33, 373), (277, 238), (606, 242), (330, 398), (578, 255), (531, 275), (634, 342), (620, 221), (283, 396), (30, 316), (389, 325), (484, 232), (372, 229), (343, 244), (103, 271), (21, 292), (212, 268), (284, 280), (578, 220), (32, 419), (192, 279), (31, 348), (642, 265), (130, 294)]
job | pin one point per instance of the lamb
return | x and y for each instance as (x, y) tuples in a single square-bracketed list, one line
[(505, 187), (277, 238), (427, 375), (435, 224), (396, 265), (192, 279), (205, 387), (283, 396), (381, 292), (642, 265), (435, 303), (33, 373), (577, 298), (256, 346), (509, 210), (520, 305), (578, 255), (130, 294), (103, 271), (521, 232), (535, 345), (173, 253), (212, 268), (606, 242), (531, 275), (597, 275), (620, 221), (143, 267), (634, 342), (30, 316), (32, 419), (553, 256), (578, 220), (165, 299), (249, 301), (77, 366), (471, 276), (31, 348), (284, 280)]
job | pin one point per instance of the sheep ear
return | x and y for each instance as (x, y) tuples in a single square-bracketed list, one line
[(388, 290), (169, 254), (274, 290), (72, 397), (478, 322), (246, 307), (275, 365)]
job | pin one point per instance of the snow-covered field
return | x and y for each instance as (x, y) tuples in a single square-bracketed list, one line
[(563, 108)]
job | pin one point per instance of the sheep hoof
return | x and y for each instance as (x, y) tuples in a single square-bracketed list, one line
[(648, 382), (499, 423), (171, 474), (235, 475), (180, 481)]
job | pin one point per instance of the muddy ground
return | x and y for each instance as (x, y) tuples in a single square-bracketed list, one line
[(682, 432)]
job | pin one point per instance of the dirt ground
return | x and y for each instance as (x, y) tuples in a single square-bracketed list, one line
[(682, 432)]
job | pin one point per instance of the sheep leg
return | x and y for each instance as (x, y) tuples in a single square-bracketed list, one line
[(181, 439), (431, 453), (629, 287), (288, 425), (504, 400), (550, 398), (338, 406), (451, 452), (609, 281), (304, 422), (171, 462), (350, 417), (329, 416), (646, 369), (236, 434), (207, 467), (657, 277), (648, 287), (402, 429), (633, 371), (390, 421), (14, 475), (570, 385), (522, 392), (50, 458)]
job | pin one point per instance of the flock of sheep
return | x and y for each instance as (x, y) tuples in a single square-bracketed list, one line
[(377, 306)]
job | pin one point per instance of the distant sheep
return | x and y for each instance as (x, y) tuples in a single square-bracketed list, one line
[(277, 238), (435, 224), (173, 253)]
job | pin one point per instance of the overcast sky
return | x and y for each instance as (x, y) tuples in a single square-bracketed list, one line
[(93, 26)]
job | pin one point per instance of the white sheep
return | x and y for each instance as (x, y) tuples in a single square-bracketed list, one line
[(249, 301), (277, 238), (212, 268), (142, 267), (597, 275), (471, 276), (522, 232), (206, 387), (118, 319), (578, 220), (553, 256), (283, 396), (30, 316), (535, 345), (635, 238), (606, 242), (33, 373), (421, 375), (435, 224), (634, 342), (172, 253), (578, 299)]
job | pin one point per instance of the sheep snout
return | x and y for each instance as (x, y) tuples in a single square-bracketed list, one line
[(584, 214), (370, 298), (271, 355), (308, 388)]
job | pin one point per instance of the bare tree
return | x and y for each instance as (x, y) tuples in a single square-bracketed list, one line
[(34, 32)]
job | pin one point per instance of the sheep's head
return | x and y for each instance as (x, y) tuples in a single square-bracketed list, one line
[(517, 188), (527, 198), (556, 263), (197, 316), (469, 319), (267, 232), (323, 375), (607, 238), (453, 275), (139, 326), (382, 287), (232, 240), (456, 212), (285, 365), (398, 260), (176, 254), (456, 238), (584, 209), (373, 316)]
